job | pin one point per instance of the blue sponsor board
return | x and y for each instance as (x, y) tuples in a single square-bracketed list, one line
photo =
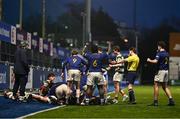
[(3, 76), (5, 31)]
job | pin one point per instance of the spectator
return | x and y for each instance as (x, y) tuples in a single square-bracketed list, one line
[(21, 70)]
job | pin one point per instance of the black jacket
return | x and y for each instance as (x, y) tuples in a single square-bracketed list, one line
[(21, 62)]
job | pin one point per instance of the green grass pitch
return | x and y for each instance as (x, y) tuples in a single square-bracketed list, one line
[(144, 96)]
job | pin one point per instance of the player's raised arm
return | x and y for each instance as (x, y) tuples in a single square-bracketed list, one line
[(64, 63), (109, 47), (84, 49)]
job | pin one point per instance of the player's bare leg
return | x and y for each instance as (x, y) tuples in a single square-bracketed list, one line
[(40, 98), (116, 89), (88, 94), (77, 91), (105, 90), (69, 84), (168, 93), (125, 97), (156, 93)]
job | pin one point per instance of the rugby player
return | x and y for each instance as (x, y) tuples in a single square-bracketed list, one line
[(75, 64), (43, 91), (119, 74), (105, 75), (95, 75), (47, 84), (56, 94), (161, 78)]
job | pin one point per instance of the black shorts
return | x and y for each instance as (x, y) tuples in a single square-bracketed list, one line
[(131, 77)]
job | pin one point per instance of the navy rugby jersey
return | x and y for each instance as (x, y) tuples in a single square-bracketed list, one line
[(163, 60), (74, 62), (52, 90), (95, 61)]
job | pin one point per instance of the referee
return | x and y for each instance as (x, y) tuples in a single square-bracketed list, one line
[(133, 62)]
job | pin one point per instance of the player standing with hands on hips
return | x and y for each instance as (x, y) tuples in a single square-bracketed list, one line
[(162, 60)]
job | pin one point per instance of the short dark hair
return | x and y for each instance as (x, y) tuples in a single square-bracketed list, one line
[(133, 49), (162, 44), (74, 52), (100, 49), (51, 75), (116, 48), (94, 48)]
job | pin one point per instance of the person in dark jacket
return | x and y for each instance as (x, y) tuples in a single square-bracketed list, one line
[(21, 70)]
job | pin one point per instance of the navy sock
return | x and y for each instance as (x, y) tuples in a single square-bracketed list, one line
[(155, 101), (131, 95), (171, 100)]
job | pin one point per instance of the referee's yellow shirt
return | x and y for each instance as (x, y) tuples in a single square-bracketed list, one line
[(133, 62)]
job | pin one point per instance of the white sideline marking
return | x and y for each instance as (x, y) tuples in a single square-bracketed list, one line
[(31, 114)]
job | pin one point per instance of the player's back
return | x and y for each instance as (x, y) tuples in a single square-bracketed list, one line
[(75, 62), (95, 61)]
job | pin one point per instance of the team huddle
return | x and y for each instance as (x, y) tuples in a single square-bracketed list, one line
[(88, 70)]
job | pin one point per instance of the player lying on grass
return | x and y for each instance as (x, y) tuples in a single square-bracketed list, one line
[(46, 90), (56, 94), (51, 92)]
